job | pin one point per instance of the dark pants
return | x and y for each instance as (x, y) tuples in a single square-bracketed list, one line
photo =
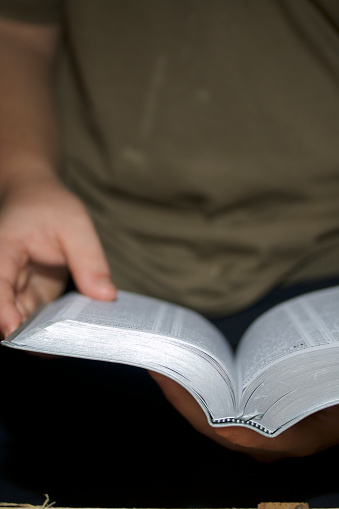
[(97, 434)]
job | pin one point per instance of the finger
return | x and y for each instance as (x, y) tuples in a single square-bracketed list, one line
[(87, 261), (10, 316), (40, 284), (44, 284), (22, 280), (12, 262)]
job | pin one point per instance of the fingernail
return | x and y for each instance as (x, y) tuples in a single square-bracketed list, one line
[(105, 284)]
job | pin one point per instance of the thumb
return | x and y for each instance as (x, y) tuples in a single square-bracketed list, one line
[(87, 261)]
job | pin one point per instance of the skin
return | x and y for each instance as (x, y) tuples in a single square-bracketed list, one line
[(44, 227), (313, 434), (40, 243)]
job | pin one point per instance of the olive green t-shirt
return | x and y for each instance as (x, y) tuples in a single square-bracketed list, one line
[(203, 137)]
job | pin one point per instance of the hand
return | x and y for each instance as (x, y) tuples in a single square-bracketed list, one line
[(44, 232), (313, 434)]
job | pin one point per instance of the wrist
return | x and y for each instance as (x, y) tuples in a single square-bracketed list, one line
[(20, 171)]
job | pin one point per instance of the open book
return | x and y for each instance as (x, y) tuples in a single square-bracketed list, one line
[(285, 368)]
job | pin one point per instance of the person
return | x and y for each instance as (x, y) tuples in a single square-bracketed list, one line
[(187, 149)]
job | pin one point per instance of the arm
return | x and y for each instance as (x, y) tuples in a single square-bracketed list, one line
[(28, 129), (44, 229)]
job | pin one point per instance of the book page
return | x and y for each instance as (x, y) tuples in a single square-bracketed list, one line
[(147, 314), (138, 313), (140, 331), (310, 321), (50, 313)]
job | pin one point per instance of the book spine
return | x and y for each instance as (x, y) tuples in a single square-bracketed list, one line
[(249, 422)]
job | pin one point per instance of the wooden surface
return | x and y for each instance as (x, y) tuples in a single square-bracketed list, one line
[(263, 505), (283, 505)]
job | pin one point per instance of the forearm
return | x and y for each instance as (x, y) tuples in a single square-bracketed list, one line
[(29, 139)]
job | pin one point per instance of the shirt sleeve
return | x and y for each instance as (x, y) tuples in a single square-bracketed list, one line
[(32, 11)]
